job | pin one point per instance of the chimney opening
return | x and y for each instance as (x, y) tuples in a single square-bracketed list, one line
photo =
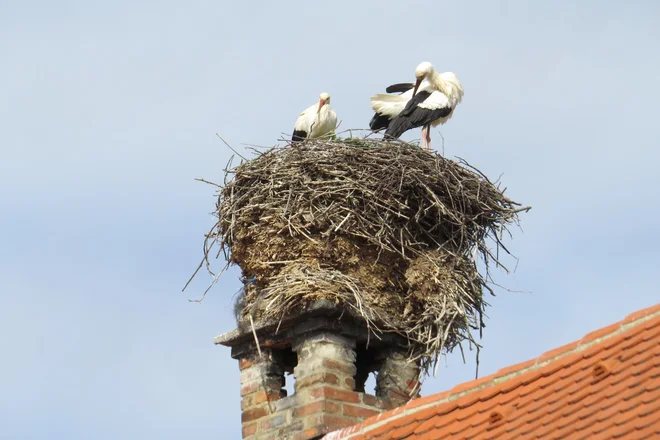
[(366, 362), (288, 359)]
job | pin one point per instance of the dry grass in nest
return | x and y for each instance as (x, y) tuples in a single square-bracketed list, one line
[(385, 229)]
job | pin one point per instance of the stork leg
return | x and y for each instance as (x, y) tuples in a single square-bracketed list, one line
[(428, 137), (423, 136)]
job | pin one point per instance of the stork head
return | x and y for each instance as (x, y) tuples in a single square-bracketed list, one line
[(324, 98), (423, 70)]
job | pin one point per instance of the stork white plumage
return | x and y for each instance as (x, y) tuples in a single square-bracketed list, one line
[(316, 121), (429, 102)]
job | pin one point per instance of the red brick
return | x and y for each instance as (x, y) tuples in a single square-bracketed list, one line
[(256, 385), (249, 430), (339, 366), (262, 396), (273, 343), (350, 382), (246, 363), (368, 399), (253, 414), (412, 384), (258, 398), (357, 411), (328, 422), (316, 378), (250, 387), (333, 393), (308, 433), (315, 407), (273, 421), (247, 402), (287, 431), (311, 408)]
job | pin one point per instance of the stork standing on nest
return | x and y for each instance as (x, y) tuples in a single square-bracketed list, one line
[(316, 121), (428, 102)]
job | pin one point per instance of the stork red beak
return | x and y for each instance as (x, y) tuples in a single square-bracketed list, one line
[(321, 104), (419, 81)]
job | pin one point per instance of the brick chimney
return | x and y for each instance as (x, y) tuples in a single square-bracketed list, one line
[(330, 354)]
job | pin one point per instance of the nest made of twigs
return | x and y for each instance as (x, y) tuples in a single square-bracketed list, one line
[(385, 229)]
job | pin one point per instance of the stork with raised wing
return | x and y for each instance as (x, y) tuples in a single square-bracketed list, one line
[(316, 121), (428, 102)]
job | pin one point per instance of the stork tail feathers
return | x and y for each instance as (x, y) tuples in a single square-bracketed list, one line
[(397, 127), (379, 122), (298, 136), (382, 97)]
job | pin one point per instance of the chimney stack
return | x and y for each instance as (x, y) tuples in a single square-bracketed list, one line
[(330, 355)]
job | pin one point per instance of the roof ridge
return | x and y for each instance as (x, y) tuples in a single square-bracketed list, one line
[(504, 374)]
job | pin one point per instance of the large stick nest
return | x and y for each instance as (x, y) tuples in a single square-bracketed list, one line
[(385, 229)]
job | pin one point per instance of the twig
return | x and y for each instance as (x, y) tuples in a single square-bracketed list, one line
[(342, 222), (443, 142), (206, 181), (235, 152), (254, 333)]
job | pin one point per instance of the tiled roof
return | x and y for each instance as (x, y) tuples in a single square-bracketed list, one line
[(604, 386)]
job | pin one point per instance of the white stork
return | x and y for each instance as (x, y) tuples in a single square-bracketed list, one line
[(315, 121), (428, 102)]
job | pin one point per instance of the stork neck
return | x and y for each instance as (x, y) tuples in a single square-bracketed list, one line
[(436, 80), (324, 109)]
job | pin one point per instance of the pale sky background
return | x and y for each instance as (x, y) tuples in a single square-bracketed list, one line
[(108, 111)]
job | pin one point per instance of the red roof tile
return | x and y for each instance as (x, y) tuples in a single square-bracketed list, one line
[(606, 385)]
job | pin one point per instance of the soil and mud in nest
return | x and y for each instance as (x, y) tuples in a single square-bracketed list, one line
[(389, 231)]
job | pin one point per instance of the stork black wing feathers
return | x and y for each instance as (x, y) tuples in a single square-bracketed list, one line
[(414, 102), (413, 116), (399, 88)]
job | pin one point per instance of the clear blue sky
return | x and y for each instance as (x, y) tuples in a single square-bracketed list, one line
[(109, 111)]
